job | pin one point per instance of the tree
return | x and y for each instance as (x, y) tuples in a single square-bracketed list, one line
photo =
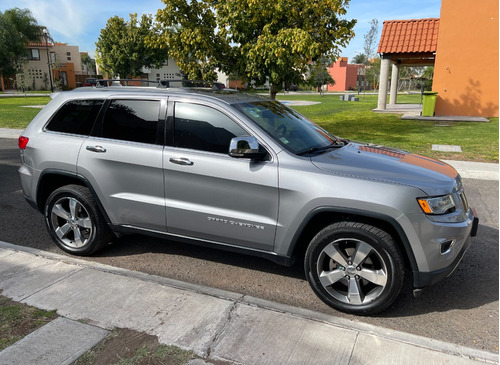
[(121, 49), (372, 68), (371, 40), (428, 72), (372, 73), (18, 27), (262, 41), (89, 62), (319, 75), (359, 59)]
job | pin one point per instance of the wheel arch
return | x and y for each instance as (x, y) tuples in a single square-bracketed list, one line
[(323, 216), (52, 179)]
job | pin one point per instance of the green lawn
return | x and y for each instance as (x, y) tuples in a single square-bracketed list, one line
[(356, 121), (15, 114), (352, 120)]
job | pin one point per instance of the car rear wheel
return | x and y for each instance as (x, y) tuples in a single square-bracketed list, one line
[(355, 267), (74, 221)]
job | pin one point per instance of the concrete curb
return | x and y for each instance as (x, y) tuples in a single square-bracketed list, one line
[(475, 170), (10, 133), (244, 324)]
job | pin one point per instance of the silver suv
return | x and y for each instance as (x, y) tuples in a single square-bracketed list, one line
[(247, 174)]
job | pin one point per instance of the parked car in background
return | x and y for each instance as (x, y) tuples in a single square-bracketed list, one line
[(90, 81)]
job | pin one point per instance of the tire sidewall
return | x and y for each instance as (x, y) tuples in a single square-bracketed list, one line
[(395, 271), (70, 192)]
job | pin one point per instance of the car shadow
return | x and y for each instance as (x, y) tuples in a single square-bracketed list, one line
[(473, 284), (137, 244)]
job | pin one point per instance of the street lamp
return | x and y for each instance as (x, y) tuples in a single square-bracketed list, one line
[(46, 34)]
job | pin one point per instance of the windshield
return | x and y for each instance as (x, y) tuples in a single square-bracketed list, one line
[(290, 129)]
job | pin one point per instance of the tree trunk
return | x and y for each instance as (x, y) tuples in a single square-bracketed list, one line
[(273, 90)]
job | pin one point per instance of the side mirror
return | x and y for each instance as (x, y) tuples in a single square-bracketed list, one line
[(246, 147)]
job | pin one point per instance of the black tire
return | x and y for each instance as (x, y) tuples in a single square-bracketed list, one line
[(355, 267), (75, 222)]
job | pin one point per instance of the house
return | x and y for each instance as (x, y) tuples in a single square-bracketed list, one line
[(66, 64), (347, 76), (462, 45), (168, 71), (64, 61)]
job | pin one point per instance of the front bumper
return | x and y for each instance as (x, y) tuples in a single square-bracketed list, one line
[(423, 279)]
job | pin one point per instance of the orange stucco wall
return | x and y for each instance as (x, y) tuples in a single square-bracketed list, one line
[(466, 68), (344, 74), (69, 68)]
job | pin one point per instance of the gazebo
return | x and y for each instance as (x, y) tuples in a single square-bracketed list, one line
[(404, 43)]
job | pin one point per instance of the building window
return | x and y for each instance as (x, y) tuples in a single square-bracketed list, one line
[(33, 54), (68, 58), (52, 57)]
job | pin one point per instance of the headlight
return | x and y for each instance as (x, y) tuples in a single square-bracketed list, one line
[(437, 205)]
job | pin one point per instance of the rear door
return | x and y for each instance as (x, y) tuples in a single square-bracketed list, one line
[(123, 162), (211, 195)]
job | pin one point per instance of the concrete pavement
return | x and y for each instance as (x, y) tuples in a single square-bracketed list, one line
[(92, 298)]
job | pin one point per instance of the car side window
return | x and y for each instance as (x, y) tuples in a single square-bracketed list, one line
[(203, 128), (132, 120), (76, 117)]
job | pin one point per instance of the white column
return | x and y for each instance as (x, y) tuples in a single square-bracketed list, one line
[(384, 81), (394, 84)]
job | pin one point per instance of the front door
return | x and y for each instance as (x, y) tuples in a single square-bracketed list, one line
[(210, 195)]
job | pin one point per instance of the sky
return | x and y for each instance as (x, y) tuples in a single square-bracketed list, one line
[(79, 22)]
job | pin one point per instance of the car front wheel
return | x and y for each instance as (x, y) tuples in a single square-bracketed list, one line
[(355, 267)]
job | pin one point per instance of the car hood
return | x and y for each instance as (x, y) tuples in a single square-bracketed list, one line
[(366, 161)]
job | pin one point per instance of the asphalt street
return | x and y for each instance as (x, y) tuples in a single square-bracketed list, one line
[(461, 309)]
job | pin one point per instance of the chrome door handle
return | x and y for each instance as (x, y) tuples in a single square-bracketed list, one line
[(99, 149), (181, 161)]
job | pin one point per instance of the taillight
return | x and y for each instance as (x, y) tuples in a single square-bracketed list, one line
[(22, 142)]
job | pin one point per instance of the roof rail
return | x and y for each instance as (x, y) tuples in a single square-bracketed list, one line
[(162, 83)]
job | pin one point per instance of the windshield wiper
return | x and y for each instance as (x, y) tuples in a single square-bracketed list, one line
[(336, 144)]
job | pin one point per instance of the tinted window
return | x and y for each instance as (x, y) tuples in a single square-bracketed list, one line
[(203, 128), (76, 117), (132, 120)]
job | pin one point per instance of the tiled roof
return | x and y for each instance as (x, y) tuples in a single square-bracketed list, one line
[(39, 44), (409, 36)]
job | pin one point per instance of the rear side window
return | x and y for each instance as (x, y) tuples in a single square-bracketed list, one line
[(76, 117), (132, 120)]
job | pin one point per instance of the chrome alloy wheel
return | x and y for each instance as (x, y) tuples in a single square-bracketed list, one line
[(71, 222), (352, 271)]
